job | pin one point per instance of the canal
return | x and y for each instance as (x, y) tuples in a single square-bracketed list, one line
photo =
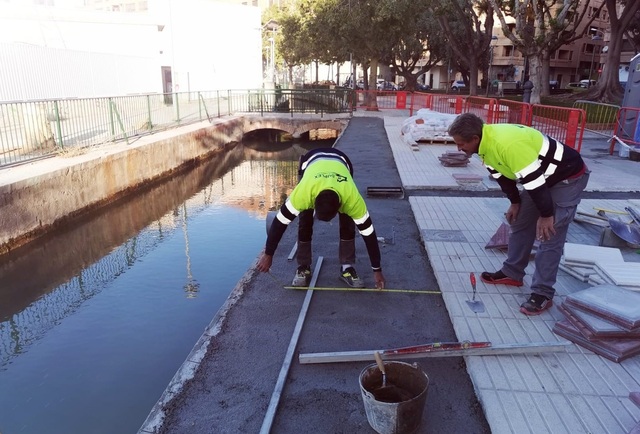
[(96, 318)]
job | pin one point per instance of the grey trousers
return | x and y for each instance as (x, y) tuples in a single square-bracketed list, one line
[(566, 197), (347, 246)]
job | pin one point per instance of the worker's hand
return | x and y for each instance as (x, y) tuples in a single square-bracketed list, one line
[(379, 279), (545, 229), (264, 263), (512, 212)]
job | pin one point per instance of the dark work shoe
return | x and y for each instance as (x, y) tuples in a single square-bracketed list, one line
[(536, 305), (499, 278), (303, 276), (351, 277)]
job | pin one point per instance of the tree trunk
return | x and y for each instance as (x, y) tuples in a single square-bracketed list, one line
[(535, 75), (372, 100), (473, 75), (545, 89), (608, 88)]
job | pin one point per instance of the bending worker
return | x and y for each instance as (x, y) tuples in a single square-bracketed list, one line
[(552, 175), (325, 186)]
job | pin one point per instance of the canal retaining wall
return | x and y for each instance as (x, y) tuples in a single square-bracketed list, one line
[(39, 196)]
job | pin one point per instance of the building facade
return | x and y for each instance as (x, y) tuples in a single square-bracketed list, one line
[(53, 52)]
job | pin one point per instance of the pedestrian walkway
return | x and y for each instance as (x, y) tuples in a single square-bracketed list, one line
[(575, 391)]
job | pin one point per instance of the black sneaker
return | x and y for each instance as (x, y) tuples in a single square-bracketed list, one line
[(351, 277), (303, 276), (536, 305)]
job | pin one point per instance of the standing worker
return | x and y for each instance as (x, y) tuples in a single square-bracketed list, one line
[(552, 175), (325, 186)]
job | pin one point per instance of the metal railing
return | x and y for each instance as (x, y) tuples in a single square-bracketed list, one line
[(31, 130), (601, 118), (627, 129)]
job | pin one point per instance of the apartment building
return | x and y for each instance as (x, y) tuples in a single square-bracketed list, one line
[(578, 60)]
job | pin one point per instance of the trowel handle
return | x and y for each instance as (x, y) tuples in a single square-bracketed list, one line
[(472, 277)]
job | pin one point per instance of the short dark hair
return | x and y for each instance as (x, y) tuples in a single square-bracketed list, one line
[(466, 126), (327, 205)]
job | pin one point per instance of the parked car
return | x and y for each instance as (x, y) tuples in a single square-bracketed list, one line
[(457, 85), (576, 84), (553, 84), (422, 87), (585, 83), (386, 85)]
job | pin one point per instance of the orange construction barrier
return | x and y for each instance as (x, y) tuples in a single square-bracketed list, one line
[(562, 123), (419, 101), (401, 100), (512, 112), (447, 104), (484, 108)]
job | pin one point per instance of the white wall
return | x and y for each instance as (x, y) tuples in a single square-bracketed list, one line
[(214, 45), (49, 52)]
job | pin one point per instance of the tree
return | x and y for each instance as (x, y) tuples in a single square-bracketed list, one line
[(609, 89), (539, 24), (468, 25), (417, 34)]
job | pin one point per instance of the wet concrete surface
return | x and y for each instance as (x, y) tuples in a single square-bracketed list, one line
[(233, 385)]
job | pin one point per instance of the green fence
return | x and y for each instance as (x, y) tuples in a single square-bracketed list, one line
[(31, 130)]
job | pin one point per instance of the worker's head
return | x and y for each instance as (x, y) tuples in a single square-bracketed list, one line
[(466, 131), (327, 205)]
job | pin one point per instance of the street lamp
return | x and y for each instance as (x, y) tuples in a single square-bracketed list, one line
[(272, 70), (493, 38), (595, 37), (272, 26)]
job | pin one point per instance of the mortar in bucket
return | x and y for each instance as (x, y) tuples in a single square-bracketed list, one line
[(401, 417)]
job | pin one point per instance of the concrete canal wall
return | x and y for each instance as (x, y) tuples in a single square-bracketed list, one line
[(40, 196)]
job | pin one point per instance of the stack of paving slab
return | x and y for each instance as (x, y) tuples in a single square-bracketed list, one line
[(427, 126), (598, 265), (606, 317)]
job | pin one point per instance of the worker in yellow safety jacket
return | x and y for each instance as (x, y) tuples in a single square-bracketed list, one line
[(325, 189), (552, 175)]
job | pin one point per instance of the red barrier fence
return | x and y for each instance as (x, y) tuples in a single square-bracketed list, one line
[(484, 108), (512, 112), (447, 104), (562, 123)]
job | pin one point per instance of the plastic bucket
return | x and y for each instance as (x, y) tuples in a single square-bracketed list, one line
[(402, 417)]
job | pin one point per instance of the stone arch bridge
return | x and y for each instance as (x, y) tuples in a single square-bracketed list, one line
[(295, 126)]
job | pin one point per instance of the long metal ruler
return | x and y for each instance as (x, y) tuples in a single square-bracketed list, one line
[(431, 351), (284, 370)]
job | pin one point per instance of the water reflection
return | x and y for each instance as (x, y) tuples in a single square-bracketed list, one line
[(48, 280), (96, 318)]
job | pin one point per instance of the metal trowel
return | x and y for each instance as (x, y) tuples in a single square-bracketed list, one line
[(476, 305)]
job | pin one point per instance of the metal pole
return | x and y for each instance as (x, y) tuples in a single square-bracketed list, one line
[(591, 66), (489, 69), (273, 55)]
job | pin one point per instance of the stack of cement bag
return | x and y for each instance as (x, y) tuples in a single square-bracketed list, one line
[(427, 126)]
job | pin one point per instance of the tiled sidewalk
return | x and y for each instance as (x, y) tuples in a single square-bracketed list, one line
[(575, 391)]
